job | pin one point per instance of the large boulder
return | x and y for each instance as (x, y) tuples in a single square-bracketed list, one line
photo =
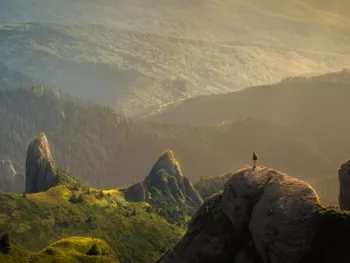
[(261, 216), (40, 169), (344, 186)]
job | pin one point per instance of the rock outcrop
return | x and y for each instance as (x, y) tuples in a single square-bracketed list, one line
[(7, 176), (166, 177), (169, 164), (40, 169), (262, 215), (344, 186), (136, 193)]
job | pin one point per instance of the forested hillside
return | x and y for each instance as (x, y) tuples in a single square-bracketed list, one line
[(106, 149), (313, 106)]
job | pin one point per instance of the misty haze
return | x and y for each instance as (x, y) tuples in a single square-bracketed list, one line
[(162, 131)]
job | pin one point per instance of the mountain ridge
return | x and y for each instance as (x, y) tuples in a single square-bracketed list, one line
[(159, 52), (113, 145)]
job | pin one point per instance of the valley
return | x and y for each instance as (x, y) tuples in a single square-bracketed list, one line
[(134, 56)]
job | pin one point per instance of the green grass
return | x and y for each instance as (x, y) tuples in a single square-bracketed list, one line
[(68, 250), (134, 234)]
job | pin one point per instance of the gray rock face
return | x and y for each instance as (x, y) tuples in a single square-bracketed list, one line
[(136, 193), (208, 238), (344, 184), (261, 216), (40, 168), (7, 176)]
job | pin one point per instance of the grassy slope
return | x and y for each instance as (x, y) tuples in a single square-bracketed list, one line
[(134, 234), (68, 250)]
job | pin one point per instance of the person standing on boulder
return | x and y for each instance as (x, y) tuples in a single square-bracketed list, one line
[(255, 158)]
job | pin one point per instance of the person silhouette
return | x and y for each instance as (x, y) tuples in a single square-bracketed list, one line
[(255, 158)]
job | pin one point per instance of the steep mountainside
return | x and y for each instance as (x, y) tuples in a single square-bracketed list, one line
[(70, 208), (107, 150), (132, 55), (296, 101)]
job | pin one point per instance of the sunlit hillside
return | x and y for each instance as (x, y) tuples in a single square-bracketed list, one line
[(133, 232), (67, 250)]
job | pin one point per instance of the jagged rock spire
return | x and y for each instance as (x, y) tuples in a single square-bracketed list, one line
[(165, 176), (168, 162), (40, 168)]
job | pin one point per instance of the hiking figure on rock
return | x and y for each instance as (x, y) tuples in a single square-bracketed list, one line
[(255, 158)]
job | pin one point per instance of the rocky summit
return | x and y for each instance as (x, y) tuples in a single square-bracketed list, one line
[(263, 215), (165, 176), (40, 168), (167, 191)]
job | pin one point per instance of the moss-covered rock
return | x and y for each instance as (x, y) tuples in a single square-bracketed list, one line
[(166, 176)]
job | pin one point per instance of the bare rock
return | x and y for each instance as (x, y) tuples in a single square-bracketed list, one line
[(136, 193), (40, 168), (284, 223), (344, 185), (248, 254), (210, 237), (261, 216)]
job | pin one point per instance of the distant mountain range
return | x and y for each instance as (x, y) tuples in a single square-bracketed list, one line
[(136, 55), (107, 149)]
